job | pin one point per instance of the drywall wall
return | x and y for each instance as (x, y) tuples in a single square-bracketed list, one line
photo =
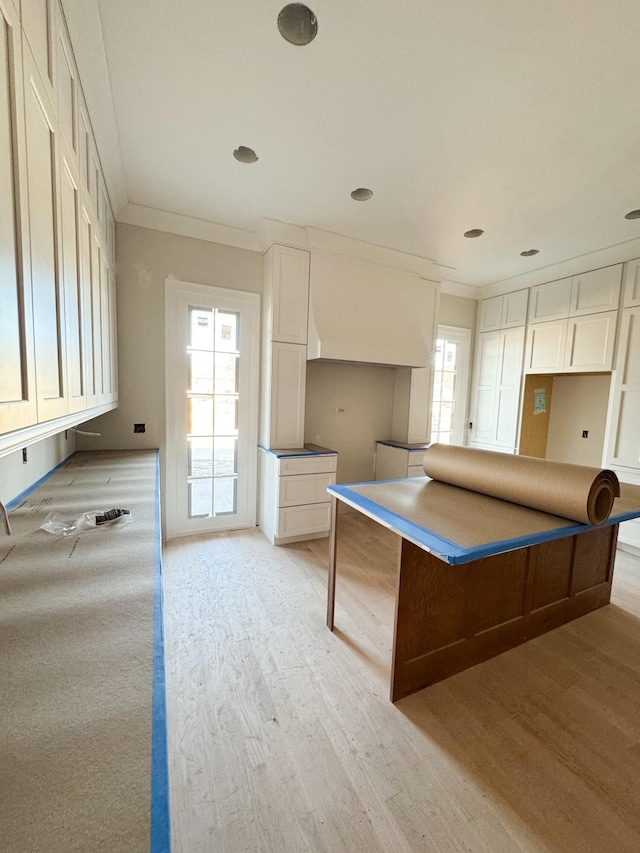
[(145, 258), (348, 409), (458, 311), (16, 476), (579, 403)]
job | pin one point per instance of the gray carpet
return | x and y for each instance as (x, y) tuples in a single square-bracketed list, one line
[(76, 663)]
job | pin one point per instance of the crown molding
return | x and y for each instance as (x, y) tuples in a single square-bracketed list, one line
[(456, 288)]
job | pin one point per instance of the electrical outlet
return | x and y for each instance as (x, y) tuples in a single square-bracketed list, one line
[(139, 427), (585, 433), (24, 455)]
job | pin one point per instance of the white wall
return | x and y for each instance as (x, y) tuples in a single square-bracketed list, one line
[(365, 393), (458, 311), (579, 403), (17, 476)]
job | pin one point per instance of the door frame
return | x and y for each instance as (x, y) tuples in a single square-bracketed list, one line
[(178, 294)]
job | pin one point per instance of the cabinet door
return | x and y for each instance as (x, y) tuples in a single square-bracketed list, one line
[(48, 299), (484, 393), (67, 89), (71, 285), (632, 283), (590, 341), (598, 290), (289, 294), (546, 347), (550, 301), (623, 429), (490, 314), (508, 387), (86, 272), (39, 24), (17, 374), (514, 309), (96, 317), (288, 380)]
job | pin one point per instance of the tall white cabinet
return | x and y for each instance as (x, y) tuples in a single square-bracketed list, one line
[(294, 504), (622, 440), (57, 270), (495, 398)]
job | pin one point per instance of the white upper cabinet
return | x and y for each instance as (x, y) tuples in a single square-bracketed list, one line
[(503, 312), (286, 294), (596, 291), (67, 88), (286, 370), (550, 301), (17, 369), (39, 25), (545, 347), (632, 283)]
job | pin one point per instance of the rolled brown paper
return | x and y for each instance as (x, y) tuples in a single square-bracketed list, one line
[(578, 492)]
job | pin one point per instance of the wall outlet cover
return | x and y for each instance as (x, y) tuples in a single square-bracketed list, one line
[(139, 427)]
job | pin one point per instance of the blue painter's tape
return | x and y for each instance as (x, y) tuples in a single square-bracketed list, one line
[(14, 503), (302, 452), (160, 816), (412, 448)]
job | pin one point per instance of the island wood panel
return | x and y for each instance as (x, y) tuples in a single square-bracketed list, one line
[(449, 618)]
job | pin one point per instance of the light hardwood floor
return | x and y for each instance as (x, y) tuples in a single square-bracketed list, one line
[(282, 736)]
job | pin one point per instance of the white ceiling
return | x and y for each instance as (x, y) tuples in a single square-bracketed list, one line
[(522, 119)]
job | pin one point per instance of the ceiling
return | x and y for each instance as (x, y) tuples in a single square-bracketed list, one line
[(521, 119)]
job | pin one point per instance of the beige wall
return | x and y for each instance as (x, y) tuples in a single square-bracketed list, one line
[(458, 311), (365, 393), (42, 457), (579, 403), (145, 258)]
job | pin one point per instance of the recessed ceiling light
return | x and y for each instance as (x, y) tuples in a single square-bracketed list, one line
[(297, 24), (245, 155), (361, 194), (529, 253), (475, 232), (633, 214)]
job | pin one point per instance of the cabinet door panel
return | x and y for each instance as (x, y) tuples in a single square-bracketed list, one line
[(627, 436), (17, 380), (48, 299), (597, 290), (623, 430), (590, 341), (107, 342), (38, 21), (85, 243), (66, 88), (72, 287), (490, 314), (288, 378), (290, 295), (632, 283), (96, 316), (545, 347), (514, 309), (550, 301)]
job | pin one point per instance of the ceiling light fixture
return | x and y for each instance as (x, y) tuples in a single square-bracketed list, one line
[(633, 214), (475, 232), (361, 194), (297, 24), (245, 155), (529, 253)]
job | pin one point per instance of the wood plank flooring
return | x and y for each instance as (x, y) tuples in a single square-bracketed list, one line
[(282, 736)]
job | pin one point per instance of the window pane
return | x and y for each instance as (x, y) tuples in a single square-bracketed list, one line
[(224, 495), (200, 415), (450, 355), (200, 498), (226, 332), (201, 372), (226, 456), (226, 415), (200, 457), (226, 373), (201, 328)]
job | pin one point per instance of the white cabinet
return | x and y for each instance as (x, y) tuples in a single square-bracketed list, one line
[(17, 366), (503, 312), (622, 443), (632, 283), (57, 283), (395, 460), (285, 367), (294, 503), (496, 391), (580, 314), (286, 294)]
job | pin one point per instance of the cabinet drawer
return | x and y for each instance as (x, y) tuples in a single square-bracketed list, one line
[(304, 489), (307, 464), (299, 520), (415, 471)]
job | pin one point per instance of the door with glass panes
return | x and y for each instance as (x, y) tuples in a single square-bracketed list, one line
[(212, 345)]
